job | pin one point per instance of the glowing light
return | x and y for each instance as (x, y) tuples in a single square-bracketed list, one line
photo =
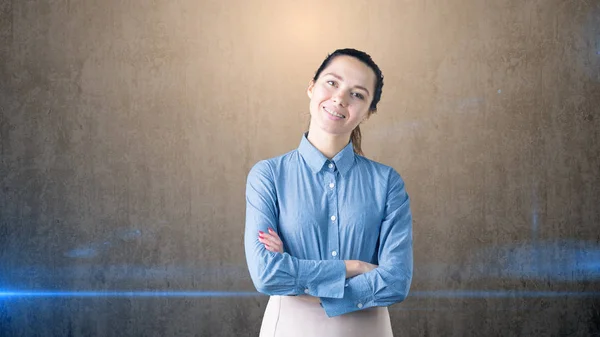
[(30, 293), (561, 260), (204, 294), (499, 294)]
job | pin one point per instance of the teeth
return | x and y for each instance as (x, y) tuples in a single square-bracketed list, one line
[(333, 113)]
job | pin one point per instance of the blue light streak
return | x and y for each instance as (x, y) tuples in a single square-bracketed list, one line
[(501, 294), (30, 293), (229, 294)]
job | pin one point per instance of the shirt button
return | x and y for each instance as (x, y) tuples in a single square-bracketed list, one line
[(334, 253), (306, 291), (360, 305), (331, 185), (330, 165), (333, 218)]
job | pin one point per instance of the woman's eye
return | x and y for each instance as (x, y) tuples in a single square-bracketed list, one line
[(332, 83), (358, 95)]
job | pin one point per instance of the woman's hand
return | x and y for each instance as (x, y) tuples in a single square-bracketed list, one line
[(357, 267), (271, 241)]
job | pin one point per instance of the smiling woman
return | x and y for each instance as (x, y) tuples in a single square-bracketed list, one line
[(349, 75), (329, 232)]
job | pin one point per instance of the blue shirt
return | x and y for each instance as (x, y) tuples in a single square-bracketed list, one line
[(327, 211)]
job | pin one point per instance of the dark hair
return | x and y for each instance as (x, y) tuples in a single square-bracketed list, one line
[(355, 137)]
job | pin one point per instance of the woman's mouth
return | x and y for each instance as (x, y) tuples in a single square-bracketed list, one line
[(333, 113)]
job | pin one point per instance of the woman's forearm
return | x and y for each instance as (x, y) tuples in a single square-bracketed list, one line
[(273, 243), (353, 268)]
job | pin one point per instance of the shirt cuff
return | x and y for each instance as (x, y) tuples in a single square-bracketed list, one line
[(357, 295), (322, 278)]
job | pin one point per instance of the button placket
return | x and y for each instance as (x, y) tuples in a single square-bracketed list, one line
[(333, 232)]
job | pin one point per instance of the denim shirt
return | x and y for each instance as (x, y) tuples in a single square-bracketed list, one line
[(327, 211)]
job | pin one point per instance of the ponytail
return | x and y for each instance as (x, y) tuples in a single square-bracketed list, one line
[(355, 138)]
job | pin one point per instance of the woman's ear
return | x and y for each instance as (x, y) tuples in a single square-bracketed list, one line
[(311, 86)]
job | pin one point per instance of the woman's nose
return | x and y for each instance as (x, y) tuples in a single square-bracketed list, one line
[(340, 98)]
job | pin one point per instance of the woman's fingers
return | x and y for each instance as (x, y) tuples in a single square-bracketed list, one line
[(272, 238), (274, 233), (272, 241), (274, 250), (367, 267), (371, 266), (268, 240)]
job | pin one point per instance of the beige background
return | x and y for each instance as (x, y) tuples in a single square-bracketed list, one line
[(128, 127)]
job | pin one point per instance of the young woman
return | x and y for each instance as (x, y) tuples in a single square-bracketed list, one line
[(329, 232)]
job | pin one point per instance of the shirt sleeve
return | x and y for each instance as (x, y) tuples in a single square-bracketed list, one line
[(390, 281), (275, 273)]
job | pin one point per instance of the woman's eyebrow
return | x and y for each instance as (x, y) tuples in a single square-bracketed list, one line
[(341, 79)]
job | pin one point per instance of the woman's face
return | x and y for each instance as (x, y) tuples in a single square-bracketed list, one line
[(341, 96)]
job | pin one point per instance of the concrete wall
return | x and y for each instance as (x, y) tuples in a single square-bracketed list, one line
[(128, 127)]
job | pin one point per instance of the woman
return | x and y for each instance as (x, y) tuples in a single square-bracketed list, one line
[(329, 232)]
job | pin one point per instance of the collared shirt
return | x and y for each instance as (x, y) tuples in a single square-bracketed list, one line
[(327, 211)]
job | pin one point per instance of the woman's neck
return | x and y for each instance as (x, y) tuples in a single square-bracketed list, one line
[(329, 145)]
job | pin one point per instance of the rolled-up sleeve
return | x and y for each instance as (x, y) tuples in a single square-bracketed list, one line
[(282, 274), (389, 283)]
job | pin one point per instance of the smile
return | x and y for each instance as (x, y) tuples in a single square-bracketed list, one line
[(333, 113)]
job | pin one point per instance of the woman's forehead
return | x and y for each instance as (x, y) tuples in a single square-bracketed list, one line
[(352, 70)]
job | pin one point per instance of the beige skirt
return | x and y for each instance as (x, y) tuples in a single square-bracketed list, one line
[(303, 316)]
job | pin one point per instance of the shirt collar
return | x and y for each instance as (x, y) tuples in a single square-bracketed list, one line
[(315, 159)]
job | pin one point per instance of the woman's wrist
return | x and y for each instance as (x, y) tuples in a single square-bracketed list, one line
[(353, 268)]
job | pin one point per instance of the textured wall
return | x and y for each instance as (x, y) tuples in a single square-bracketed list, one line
[(127, 129)]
